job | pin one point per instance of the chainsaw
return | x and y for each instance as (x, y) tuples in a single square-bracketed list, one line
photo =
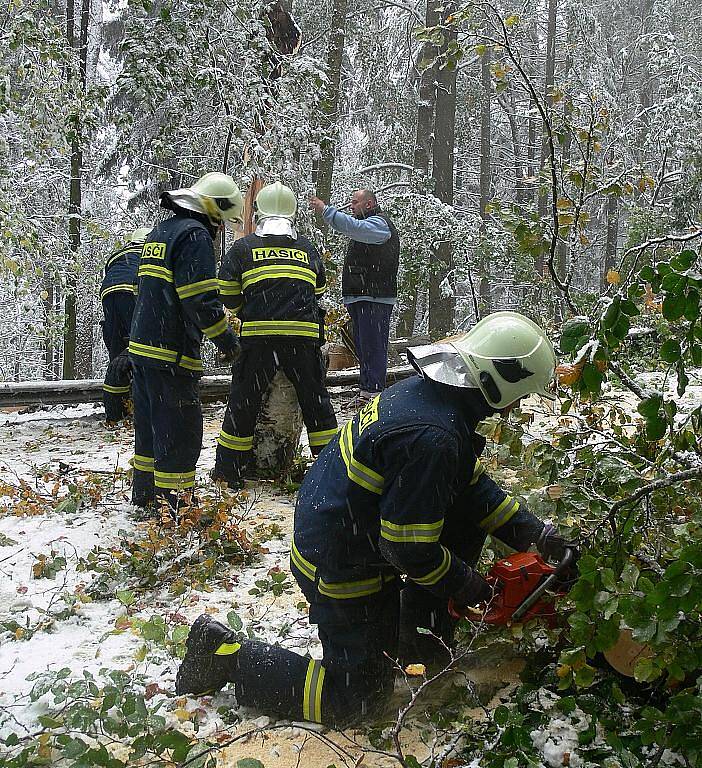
[(524, 587)]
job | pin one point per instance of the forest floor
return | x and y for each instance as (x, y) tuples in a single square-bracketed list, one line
[(67, 529)]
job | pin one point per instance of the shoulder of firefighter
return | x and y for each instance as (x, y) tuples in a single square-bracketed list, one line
[(377, 499), (273, 284), (121, 270), (177, 299)]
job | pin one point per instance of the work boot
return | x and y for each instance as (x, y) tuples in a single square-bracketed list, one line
[(232, 483), (208, 662)]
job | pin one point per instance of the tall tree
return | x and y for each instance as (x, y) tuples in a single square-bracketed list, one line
[(330, 104), (442, 301), (77, 37)]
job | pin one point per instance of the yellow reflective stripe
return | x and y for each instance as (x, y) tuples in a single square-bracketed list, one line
[(412, 533), (275, 271), (174, 480), (191, 363), (280, 328), (321, 438), (438, 573), (234, 442), (345, 590), (153, 270), (312, 699), (229, 287), (193, 289), (307, 568), (142, 463), (478, 472), (227, 649), (216, 329), (319, 290), (500, 515), (158, 353), (123, 287), (357, 472), (116, 390)]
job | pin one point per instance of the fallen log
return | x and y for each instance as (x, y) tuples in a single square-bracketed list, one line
[(15, 394)]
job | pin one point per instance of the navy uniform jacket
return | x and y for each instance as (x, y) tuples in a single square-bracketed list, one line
[(376, 499), (273, 284), (177, 299), (121, 270)]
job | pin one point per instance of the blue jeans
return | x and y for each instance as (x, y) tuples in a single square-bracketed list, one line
[(371, 327)]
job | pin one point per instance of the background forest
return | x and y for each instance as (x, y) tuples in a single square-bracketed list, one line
[(524, 151), (543, 156)]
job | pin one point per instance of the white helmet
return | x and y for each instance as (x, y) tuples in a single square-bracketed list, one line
[(276, 200), (505, 355), (214, 194)]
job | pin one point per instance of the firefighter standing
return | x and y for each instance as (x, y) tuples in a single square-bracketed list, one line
[(273, 279), (177, 302), (401, 490), (118, 296)]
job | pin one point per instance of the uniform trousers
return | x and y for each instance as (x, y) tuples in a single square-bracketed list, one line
[(167, 434), (252, 375), (118, 308)]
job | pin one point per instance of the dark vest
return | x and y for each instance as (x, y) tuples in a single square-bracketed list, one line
[(371, 270)]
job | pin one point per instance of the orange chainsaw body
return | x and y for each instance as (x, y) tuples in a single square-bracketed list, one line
[(514, 579)]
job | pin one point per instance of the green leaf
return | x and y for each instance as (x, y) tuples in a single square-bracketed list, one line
[(655, 428), (683, 260), (585, 676), (572, 333), (645, 670), (692, 305), (650, 407), (501, 715), (511, 762), (629, 308), (126, 597), (567, 704), (674, 306), (592, 378), (234, 621), (670, 351), (50, 722), (647, 274)]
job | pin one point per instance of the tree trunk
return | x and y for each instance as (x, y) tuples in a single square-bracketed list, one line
[(442, 303), (427, 97), (80, 47), (485, 174), (549, 80), (330, 106), (48, 340), (278, 429), (415, 281)]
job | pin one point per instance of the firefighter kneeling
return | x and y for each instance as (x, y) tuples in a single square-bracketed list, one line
[(400, 490)]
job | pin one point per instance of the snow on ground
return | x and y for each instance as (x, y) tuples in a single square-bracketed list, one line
[(74, 496)]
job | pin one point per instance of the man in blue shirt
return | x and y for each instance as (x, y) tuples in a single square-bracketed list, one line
[(369, 280)]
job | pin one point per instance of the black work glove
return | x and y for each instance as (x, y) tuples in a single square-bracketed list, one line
[(122, 365), (231, 354), (474, 590), (552, 546)]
